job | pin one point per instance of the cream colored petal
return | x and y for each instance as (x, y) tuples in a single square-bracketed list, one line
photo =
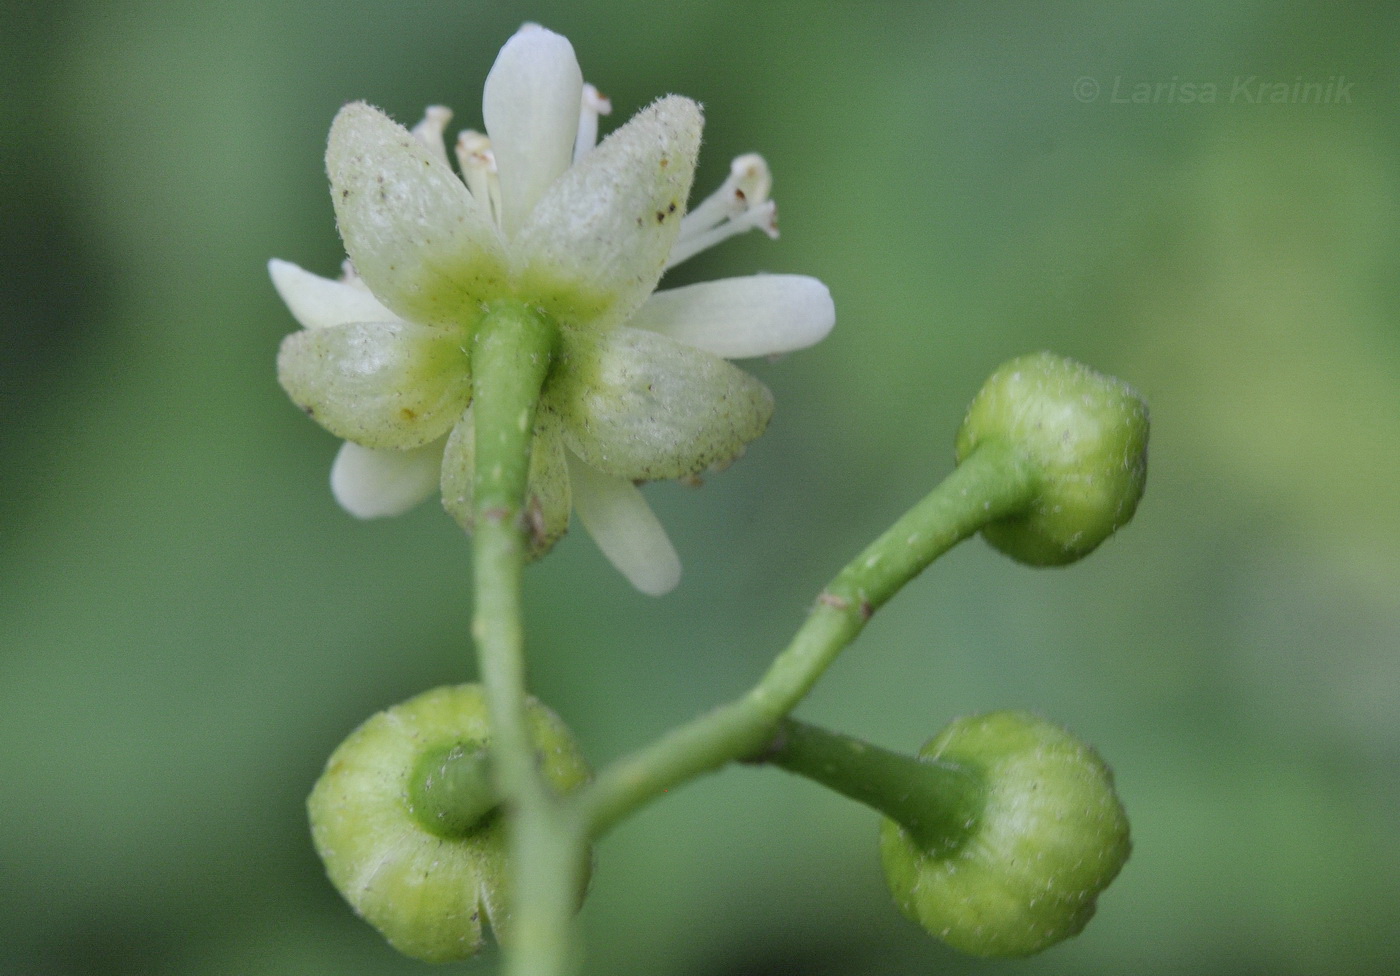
[(625, 528), (531, 107), (379, 384), (596, 243), (317, 302), (371, 483), (548, 500), (736, 318), (419, 240), (641, 406)]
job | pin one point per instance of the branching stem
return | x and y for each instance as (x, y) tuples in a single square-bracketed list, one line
[(993, 483), (549, 834)]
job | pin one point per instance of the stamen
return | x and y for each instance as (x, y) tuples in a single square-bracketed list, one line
[(478, 164), (593, 105), (747, 185), (739, 205), (764, 217), (431, 130)]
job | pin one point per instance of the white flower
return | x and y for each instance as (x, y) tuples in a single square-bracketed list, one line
[(582, 233)]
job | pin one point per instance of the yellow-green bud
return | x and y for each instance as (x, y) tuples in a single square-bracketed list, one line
[(1086, 434), (403, 836), (1051, 836)]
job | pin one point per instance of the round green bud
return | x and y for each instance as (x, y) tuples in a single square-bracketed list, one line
[(1051, 836), (1086, 435), (404, 819)]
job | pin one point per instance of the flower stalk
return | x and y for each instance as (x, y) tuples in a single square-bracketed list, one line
[(936, 801), (511, 355), (511, 352)]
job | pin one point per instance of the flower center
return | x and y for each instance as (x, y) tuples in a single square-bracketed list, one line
[(742, 202)]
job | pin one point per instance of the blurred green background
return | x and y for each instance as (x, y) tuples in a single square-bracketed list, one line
[(190, 624)]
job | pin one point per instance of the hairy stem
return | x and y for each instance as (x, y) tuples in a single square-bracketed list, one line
[(994, 482)]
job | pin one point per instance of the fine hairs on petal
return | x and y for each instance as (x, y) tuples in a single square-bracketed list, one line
[(419, 240), (380, 384), (597, 241), (641, 406)]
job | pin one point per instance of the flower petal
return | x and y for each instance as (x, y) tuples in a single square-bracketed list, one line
[(531, 108), (642, 406), (760, 315), (625, 529), (547, 503), (596, 243), (379, 384), (419, 240), (317, 302), (372, 483)]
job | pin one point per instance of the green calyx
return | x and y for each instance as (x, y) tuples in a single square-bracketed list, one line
[(383, 818), (1086, 436), (1050, 837)]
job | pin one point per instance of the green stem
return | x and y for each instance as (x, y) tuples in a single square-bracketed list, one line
[(452, 789), (994, 482), (937, 802), (511, 354)]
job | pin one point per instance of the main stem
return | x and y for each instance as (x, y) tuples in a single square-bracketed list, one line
[(511, 354), (994, 482)]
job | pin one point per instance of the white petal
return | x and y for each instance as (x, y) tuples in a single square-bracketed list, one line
[(419, 240), (371, 483), (597, 242), (318, 302), (760, 315), (531, 107), (639, 405), (625, 529)]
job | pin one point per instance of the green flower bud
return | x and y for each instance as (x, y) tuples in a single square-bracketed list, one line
[(1087, 435), (404, 819), (1050, 836)]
